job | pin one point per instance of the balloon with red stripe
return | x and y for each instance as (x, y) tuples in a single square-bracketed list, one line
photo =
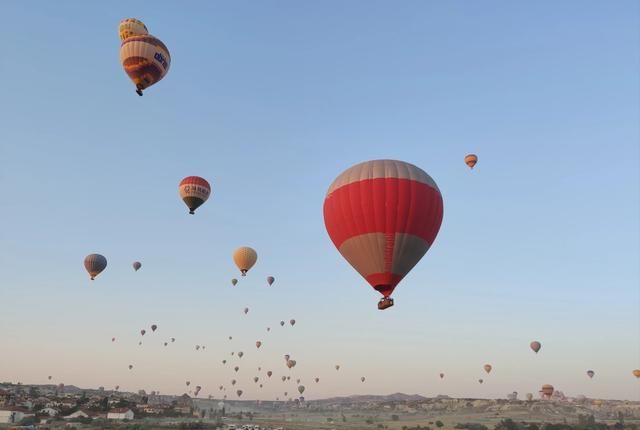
[(383, 216), (194, 191)]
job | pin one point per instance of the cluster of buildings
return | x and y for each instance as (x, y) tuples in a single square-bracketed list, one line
[(20, 404)]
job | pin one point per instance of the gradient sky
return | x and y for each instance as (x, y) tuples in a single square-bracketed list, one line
[(270, 101)]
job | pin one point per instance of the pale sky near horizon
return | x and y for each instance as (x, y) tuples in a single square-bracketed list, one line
[(270, 101)]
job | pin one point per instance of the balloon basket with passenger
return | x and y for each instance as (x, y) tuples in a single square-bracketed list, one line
[(385, 303)]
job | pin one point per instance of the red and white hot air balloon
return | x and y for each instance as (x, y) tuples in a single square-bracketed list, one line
[(194, 191), (383, 216)]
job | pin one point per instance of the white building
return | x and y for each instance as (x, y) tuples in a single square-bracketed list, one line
[(77, 414), (120, 414), (13, 415)]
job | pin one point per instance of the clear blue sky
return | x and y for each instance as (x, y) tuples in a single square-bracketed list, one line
[(270, 101)]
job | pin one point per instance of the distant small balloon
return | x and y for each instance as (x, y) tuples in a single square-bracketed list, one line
[(487, 368), (258, 344), (113, 339), (236, 368), (239, 393), (142, 332), (137, 265), (173, 339), (130, 366), (240, 354), (442, 376), (590, 373), (317, 380), (95, 264), (636, 373), (233, 382), (270, 280), (362, 379), (154, 327), (281, 323), (301, 389), (292, 322), (471, 160), (535, 346), (224, 361), (255, 379), (529, 396), (337, 367), (246, 311), (234, 281), (269, 373), (480, 381)]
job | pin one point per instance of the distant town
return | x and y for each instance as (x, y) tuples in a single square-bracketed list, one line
[(72, 408)]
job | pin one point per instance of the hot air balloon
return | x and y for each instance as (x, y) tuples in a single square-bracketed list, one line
[(233, 382), (203, 347), (137, 265), (255, 379), (292, 322), (487, 368), (232, 353), (535, 346), (636, 373), (442, 376), (317, 380), (300, 389), (140, 343), (197, 347), (260, 385), (166, 343), (131, 27), (297, 381), (194, 191), (117, 387), (239, 393), (259, 369), (288, 378), (270, 280), (286, 394), (142, 332), (130, 366), (240, 354), (480, 381), (224, 361), (95, 264), (383, 216), (234, 281), (188, 383), (291, 364), (154, 327), (284, 378), (287, 357), (236, 368), (268, 328), (337, 367), (145, 59), (547, 391), (470, 160), (49, 377), (362, 379), (245, 258), (246, 311), (529, 396), (590, 373), (258, 344), (220, 387), (269, 373), (173, 339), (113, 339)]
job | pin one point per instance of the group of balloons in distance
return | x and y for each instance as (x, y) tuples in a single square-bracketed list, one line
[(381, 215)]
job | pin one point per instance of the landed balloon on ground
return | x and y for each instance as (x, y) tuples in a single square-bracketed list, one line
[(383, 216), (95, 264)]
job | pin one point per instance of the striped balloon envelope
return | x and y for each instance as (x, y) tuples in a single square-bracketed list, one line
[(95, 264), (131, 27), (194, 191), (145, 59), (383, 216)]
